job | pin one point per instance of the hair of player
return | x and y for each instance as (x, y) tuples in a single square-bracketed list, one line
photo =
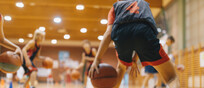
[(38, 32), (171, 38), (86, 42)]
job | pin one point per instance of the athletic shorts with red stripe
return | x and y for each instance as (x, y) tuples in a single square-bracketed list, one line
[(138, 37)]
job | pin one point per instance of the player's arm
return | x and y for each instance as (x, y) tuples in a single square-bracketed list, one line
[(82, 62), (94, 54), (3, 41), (102, 49), (104, 43), (28, 46), (6, 43)]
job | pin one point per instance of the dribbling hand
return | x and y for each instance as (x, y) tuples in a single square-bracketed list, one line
[(18, 51), (94, 67)]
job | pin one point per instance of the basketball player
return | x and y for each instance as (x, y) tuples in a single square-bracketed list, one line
[(132, 28), (87, 57), (30, 52), (5, 42)]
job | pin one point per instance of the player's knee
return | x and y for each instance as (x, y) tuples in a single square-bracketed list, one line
[(172, 75), (174, 83), (171, 78)]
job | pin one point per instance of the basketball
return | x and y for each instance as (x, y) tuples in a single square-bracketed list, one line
[(107, 77), (47, 63), (10, 62), (75, 75)]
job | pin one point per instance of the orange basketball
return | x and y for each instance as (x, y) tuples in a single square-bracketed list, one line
[(106, 78), (10, 62), (75, 75), (47, 63)]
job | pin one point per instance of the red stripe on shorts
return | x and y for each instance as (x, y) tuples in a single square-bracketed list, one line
[(123, 62), (164, 58)]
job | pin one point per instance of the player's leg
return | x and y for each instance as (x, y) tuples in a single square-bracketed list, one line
[(168, 75), (151, 53), (33, 76), (27, 82), (121, 69), (20, 77), (146, 79), (150, 71), (160, 60), (31, 72), (159, 81), (26, 71), (85, 80)]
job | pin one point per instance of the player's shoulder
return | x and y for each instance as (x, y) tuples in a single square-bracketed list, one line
[(31, 43)]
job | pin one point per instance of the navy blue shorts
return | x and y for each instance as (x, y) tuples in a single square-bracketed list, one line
[(138, 37), (150, 69)]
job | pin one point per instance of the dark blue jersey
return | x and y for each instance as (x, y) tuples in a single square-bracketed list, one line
[(122, 13), (132, 11)]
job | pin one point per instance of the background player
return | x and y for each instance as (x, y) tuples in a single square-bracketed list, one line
[(30, 52), (132, 28), (87, 57)]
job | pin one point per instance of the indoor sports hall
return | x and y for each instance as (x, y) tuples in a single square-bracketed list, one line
[(101, 43)]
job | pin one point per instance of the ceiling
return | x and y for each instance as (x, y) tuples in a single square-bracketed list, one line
[(36, 13)]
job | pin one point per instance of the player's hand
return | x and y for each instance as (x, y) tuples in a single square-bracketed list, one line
[(134, 70), (94, 67), (19, 52)]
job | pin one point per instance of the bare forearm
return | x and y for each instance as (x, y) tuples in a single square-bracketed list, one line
[(83, 61), (80, 66), (103, 45), (5, 42), (8, 44)]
